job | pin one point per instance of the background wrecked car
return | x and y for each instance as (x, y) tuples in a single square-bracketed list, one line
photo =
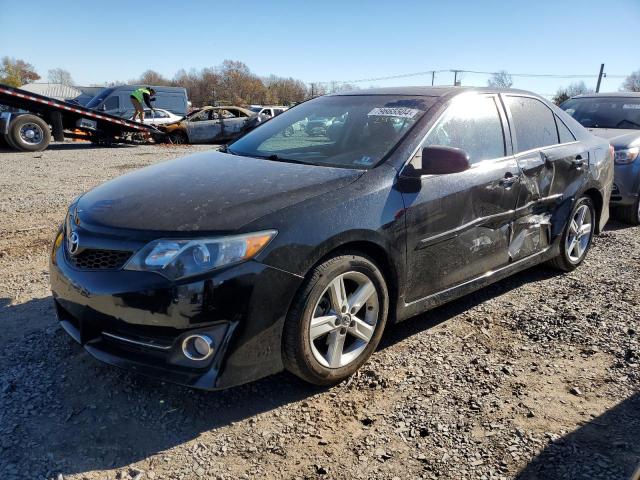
[(212, 124)]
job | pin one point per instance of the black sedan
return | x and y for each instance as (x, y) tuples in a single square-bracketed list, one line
[(296, 251)]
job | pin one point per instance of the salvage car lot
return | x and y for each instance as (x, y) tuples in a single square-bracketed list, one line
[(536, 376)]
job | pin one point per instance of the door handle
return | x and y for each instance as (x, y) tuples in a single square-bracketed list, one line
[(508, 180), (578, 161)]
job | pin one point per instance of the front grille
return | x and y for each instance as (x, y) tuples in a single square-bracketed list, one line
[(94, 259)]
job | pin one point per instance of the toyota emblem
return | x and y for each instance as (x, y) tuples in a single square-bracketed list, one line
[(73, 243)]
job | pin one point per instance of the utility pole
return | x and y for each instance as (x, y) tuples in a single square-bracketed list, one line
[(600, 75), (433, 77), (455, 77)]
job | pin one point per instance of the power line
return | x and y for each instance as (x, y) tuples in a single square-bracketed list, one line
[(544, 75), (390, 77), (432, 72)]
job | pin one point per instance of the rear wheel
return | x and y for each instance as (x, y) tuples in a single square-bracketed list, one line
[(577, 236), (29, 133), (337, 320), (629, 214), (178, 138)]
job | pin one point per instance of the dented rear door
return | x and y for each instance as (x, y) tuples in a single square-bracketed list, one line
[(551, 172)]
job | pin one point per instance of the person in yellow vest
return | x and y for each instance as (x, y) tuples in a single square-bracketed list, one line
[(140, 96)]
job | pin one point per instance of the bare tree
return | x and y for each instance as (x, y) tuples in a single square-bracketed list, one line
[(60, 75), (316, 90), (500, 79), (238, 85), (151, 77), (284, 91), (336, 87), (202, 86), (17, 72), (632, 82), (565, 93)]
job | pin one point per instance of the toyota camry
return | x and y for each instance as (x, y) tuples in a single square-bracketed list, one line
[(293, 251)]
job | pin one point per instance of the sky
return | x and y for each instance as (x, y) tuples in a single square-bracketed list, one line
[(99, 42)]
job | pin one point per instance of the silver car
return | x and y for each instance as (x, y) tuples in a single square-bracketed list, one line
[(616, 117)]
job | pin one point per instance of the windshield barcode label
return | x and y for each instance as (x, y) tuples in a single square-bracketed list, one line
[(393, 112)]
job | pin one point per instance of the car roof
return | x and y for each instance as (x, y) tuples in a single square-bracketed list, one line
[(609, 94), (427, 91)]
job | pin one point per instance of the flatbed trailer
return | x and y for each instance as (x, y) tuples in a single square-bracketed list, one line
[(46, 117)]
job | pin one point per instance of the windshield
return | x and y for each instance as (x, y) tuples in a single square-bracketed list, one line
[(97, 100), (341, 131), (256, 109), (605, 112)]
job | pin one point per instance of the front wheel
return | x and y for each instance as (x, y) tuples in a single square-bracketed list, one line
[(29, 133), (178, 138), (577, 236), (337, 320)]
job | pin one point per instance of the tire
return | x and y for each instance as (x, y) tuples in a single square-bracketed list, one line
[(629, 214), (570, 258), (343, 336), (178, 138), (29, 133)]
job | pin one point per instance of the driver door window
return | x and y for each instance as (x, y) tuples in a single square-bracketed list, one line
[(473, 125)]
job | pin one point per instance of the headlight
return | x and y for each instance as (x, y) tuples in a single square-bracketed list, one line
[(626, 155), (180, 258)]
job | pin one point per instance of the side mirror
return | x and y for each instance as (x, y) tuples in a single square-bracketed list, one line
[(439, 160)]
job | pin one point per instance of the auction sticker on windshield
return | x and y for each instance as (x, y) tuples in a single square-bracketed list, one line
[(401, 112)]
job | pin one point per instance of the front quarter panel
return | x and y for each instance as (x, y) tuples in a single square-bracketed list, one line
[(368, 210)]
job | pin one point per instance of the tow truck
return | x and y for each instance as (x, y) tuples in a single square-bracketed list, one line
[(41, 118)]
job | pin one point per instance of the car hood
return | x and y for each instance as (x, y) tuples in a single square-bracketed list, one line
[(209, 191), (172, 123), (619, 138)]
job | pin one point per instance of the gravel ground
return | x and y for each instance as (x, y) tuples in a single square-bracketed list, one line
[(535, 377)]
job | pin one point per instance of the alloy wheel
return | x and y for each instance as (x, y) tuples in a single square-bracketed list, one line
[(344, 320), (579, 236)]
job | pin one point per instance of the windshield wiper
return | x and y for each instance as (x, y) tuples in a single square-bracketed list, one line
[(277, 158), (272, 157)]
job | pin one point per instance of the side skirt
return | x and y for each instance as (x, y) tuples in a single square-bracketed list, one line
[(417, 307)]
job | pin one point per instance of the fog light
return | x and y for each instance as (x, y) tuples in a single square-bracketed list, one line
[(197, 347)]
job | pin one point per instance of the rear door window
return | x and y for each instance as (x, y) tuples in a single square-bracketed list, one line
[(564, 133), (472, 124), (533, 122)]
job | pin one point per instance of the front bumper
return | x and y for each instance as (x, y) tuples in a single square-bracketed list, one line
[(137, 320), (626, 184)]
